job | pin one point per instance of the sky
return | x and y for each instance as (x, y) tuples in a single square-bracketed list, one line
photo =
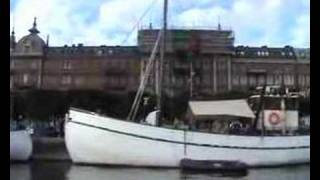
[(273, 23)]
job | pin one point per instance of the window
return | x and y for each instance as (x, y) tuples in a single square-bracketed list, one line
[(235, 80), (307, 80), (289, 80), (25, 78), (301, 80), (252, 80), (79, 81), (66, 80), (34, 65), (67, 65), (291, 103), (277, 79), (261, 80), (243, 80), (270, 79)]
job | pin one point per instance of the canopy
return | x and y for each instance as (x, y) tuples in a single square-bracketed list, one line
[(233, 108)]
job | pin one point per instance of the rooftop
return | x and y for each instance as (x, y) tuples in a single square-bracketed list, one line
[(265, 52), (103, 50)]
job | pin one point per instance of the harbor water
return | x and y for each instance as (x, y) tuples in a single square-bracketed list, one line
[(61, 170)]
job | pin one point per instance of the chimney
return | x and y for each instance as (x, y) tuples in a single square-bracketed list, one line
[(47, 40)]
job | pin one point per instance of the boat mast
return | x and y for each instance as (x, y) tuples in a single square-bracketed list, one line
[(159, 91), (260, 109)]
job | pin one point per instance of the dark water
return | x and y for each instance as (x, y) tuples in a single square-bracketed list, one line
[(67, 171)]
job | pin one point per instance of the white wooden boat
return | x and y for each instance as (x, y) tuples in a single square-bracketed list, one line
[(94, 139), (20, 145)]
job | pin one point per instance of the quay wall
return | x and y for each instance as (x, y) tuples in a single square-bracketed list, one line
[(49, 148)]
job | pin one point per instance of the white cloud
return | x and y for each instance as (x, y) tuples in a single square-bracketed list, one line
[(255, 22), (301, 32)]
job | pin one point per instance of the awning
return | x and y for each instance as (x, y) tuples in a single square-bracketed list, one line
[(224, 108)]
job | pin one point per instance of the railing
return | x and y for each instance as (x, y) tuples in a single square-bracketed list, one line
[(172, 27)]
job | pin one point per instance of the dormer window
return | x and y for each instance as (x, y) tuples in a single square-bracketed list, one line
[(26, 46)]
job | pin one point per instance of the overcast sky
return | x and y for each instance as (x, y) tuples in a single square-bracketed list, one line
[(97, 22)]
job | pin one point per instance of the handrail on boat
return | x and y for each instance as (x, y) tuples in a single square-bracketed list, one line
[(82, 110)]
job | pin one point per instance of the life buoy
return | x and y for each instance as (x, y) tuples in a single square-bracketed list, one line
[(274, 118)]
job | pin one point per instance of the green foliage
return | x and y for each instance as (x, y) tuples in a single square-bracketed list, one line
[(40, 105), (113, 105), (18, 106)]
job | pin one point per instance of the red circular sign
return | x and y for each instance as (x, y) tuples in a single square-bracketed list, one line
[(274, 118)]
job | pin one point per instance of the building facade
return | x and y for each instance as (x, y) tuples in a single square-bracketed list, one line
[(199, 62)]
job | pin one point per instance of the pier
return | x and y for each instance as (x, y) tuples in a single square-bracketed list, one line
[(50, 149)]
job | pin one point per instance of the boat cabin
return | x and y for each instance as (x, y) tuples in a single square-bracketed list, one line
[(226, 116), (278, 114)]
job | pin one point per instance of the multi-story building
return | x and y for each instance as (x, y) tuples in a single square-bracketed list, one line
[(197, 61), (207, 62), (33, 64)]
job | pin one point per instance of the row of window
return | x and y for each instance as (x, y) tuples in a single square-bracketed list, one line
[(32, 65), (266, 53), (303, 80), (25, 79), (97, 51)]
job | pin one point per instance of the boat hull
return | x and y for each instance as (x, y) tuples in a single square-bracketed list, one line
[(20, 145), (94, 139)]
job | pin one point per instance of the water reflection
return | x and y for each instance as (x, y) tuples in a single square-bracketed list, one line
[(102, 173), (49, 170), (291, 173), (66, 171), (20, 172)]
